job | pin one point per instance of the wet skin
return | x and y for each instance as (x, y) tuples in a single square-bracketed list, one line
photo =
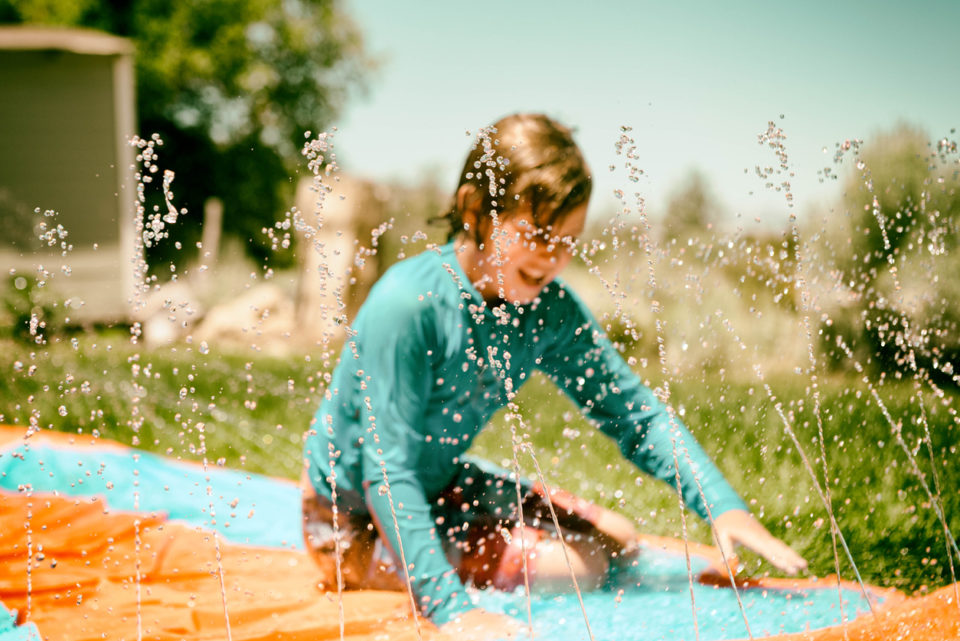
[(512, 262), (515, 259)]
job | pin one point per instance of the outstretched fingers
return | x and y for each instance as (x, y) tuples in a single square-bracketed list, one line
[(739, 527)]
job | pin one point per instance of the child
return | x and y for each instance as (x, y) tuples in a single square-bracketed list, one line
[(442, 342)]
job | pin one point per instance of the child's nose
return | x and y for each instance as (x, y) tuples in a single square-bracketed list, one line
[(554, 258), (546, 253), (555, 247)]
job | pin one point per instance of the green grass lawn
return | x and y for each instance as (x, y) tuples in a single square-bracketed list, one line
[(244, 409)]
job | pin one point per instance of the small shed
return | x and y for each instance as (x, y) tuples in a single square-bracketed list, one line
[(66, 116)]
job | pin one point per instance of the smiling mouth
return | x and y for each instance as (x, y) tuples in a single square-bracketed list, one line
[(531, 280)]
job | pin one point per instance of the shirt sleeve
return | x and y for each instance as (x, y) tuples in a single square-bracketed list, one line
[(394, 365), (583, 362)]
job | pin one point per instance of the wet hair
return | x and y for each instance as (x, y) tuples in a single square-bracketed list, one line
[(526, 159)]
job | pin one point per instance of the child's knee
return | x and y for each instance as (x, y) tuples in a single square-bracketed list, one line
[(541, 556), (585, 557)]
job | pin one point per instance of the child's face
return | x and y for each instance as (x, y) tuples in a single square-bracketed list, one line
[(519, 259)]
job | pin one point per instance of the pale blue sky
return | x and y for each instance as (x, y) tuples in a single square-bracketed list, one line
[(697, 81)]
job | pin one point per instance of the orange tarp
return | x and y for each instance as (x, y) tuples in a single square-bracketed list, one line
[(98, 574), (82, 582)]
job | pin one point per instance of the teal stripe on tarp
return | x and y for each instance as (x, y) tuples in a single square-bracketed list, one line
[(648, 602), (247, 508), (10, 631)]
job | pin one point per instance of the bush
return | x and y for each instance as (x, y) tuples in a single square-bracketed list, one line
[(30, 308), (895, 258)]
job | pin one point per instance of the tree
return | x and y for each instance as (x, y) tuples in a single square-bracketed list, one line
[(885, 195), (691, 209), (897, 252), (230, 86)]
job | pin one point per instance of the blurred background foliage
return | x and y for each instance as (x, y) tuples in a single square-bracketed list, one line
[(230, 86), (714, 310), (893, 249), (871, 279), (691, 209)]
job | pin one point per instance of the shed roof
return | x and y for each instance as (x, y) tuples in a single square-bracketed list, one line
[(82, 41)]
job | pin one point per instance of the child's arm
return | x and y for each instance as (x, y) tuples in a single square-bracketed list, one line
[(393, 359), (583, 363)]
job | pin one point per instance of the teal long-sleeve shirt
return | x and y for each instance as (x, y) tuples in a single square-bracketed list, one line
[(428, 364)]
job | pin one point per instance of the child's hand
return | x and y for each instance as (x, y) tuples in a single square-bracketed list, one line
[(480, 625), (739, 527)]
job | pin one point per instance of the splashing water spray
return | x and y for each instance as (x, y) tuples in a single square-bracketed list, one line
[(153, 226)]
